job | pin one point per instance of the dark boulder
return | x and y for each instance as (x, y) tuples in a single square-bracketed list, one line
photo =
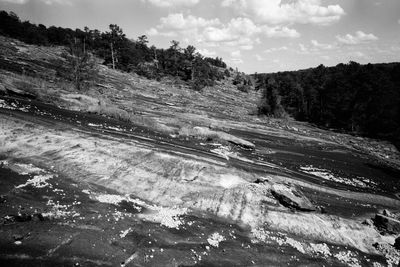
[(290, 197), (387, 224), (397, 243)]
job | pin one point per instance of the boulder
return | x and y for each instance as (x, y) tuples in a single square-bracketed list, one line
[(387, 224), (397, 243), (292, 198)]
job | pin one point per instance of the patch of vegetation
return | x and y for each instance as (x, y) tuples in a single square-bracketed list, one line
[(363, 99), (118, 52)]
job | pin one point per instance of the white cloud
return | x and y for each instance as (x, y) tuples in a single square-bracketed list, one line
[(243, 33), (280, 32), (172, 3), (359, 37), (236, 29), (276, 49), (236, 54), (188, 28), (303, 48), (47, 2), (316, 47), (179, 22), (18, 2), (155, 32), (207, 53), (240, 33), (236, 60), (246, 47), (259, 58), (320, 46), (325, 57), (358, 54), (278, 11)]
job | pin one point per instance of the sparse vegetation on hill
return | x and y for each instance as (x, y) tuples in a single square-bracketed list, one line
[(363, 99), (121, 53)]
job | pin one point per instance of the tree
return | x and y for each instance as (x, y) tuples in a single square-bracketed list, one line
[(142, 40), (81, 66), (116, 39), (270, 102), (190, 56)]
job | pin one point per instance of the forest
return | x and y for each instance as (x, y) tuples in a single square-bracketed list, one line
[(354, 98), (121, 53)]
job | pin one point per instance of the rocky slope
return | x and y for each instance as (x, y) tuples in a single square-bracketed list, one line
[(136, 172)]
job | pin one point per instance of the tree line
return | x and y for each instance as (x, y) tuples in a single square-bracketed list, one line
[(121, 53), (362, 99)]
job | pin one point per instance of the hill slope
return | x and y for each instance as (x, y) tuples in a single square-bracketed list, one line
[(139, 172)]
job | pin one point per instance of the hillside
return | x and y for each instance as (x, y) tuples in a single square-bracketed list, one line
[(139, 172), (355, 98)]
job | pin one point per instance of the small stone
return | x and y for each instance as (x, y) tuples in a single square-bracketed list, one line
[(37, 217), (23, 217), (18, 237), (18, 243)]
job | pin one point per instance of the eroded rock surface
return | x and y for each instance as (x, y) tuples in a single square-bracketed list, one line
[(117, 176)]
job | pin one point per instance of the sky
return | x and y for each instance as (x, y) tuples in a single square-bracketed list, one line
[(252, 35)]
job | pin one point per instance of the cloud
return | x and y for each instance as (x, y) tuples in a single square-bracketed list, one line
[(320, 46), (188, 28), (179, 22), (359, 37), (47, 2), (316, 47), (207, 53), (172, 3), (236, 54), (281, 12), (155, 32), (325, 57), (236, 29), (244, 32), (357, 54), (303, 48), (276, 49), (240, 33), (259, 58), (18, 2), (236, 60), (280, 32)]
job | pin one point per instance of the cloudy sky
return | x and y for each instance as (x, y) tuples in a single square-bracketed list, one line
[(253, 35)]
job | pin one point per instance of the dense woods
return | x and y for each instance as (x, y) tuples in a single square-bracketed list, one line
[(362, 99), (119, 52)]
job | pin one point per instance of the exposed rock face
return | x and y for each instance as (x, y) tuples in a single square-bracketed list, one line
[(203, 131), (180, 180), (387, 224), (292, 198)]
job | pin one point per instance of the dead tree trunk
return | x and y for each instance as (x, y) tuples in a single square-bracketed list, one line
[(112, 56)]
